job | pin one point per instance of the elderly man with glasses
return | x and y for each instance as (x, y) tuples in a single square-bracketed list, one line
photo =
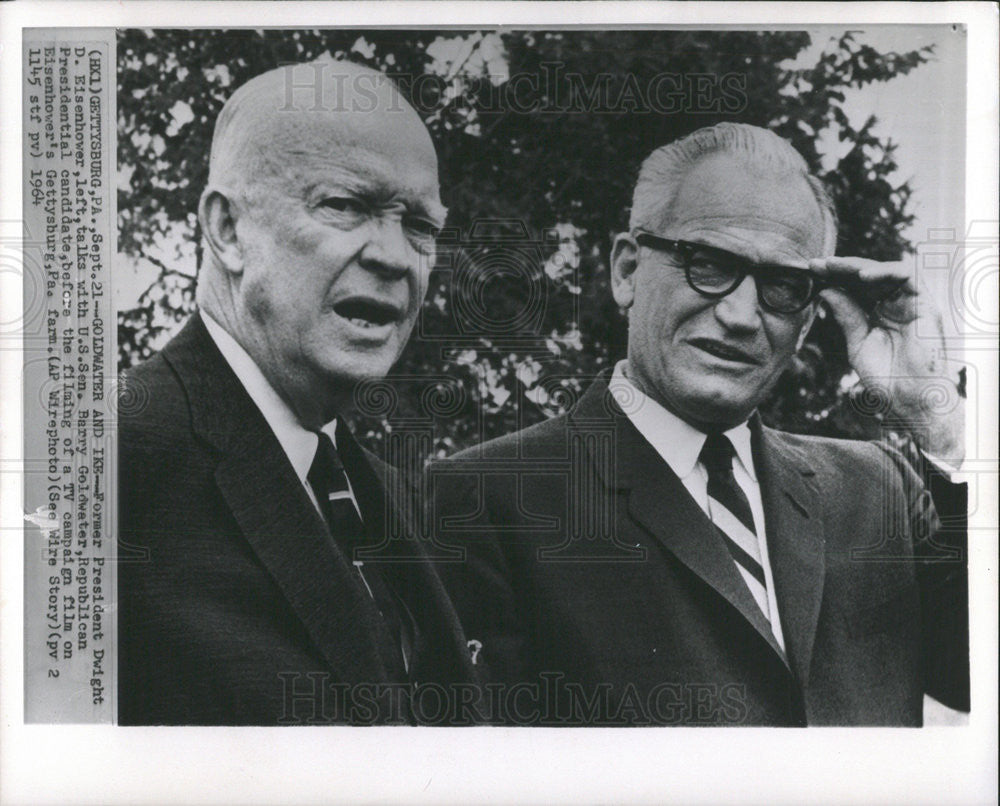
[(657, 555)]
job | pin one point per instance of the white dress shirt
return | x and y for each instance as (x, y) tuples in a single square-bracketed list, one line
[(298, 443), (680, 443)]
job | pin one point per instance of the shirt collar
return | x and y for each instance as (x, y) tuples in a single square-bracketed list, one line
[(678, 442), (298, 443)]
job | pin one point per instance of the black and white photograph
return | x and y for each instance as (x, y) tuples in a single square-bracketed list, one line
[(435, 385), (629, 532)]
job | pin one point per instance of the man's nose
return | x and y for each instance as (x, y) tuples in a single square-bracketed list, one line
[(739, 309), (387, 250)]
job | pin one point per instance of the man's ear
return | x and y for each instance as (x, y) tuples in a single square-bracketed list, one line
[(807, 325), (217, 215), (624, 262)]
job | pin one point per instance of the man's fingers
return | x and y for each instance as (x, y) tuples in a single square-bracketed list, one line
[(849, 315), (862, 268)]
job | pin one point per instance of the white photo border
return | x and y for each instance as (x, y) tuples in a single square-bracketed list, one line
[(105, 764)]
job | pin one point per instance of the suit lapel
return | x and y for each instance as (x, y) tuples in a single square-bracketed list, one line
[(274, 512), (796, 544), (396, 546), (660, 504)]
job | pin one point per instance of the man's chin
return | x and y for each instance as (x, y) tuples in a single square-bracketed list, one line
[(355, 372), (716, 409), (348, 369)]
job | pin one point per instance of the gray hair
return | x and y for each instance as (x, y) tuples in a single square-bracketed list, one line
[(663, 170)]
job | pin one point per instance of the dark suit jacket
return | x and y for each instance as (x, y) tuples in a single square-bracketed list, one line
[(232, 595), (601, 594)]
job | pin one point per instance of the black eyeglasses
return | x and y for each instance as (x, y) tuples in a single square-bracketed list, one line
[(714, 273)]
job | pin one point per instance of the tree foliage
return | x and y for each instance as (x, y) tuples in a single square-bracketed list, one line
[(540, 135)]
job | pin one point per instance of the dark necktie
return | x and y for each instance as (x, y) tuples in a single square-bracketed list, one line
[(328, 480), (732, 517)]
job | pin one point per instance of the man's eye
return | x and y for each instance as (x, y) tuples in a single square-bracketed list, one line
[(706, 269), (421, 227), (344, 204), (797, 283)]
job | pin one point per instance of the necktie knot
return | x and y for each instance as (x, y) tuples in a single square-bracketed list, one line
[(717, 454), (326, 474)]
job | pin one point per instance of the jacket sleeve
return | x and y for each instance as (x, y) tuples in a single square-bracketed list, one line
[(938, 518), (478, 578)]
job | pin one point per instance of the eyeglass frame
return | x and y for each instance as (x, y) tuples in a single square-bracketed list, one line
[(659, 243)]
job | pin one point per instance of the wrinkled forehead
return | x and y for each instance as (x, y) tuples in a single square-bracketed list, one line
[(756, 209), (380, 140)]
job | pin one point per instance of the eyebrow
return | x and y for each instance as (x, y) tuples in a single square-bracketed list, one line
[(641, 234), (351, 182), (437, 213)]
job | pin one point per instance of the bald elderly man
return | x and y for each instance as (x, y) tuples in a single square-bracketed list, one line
[(246, 595)]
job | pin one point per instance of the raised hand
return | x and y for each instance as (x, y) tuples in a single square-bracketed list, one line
[(895, 340)]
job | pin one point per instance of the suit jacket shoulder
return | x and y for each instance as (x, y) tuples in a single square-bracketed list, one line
[(548, 436), (231, 590), (586, 557)]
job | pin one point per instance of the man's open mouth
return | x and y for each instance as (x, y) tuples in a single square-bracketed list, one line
[(722, 350), (367, 311)]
